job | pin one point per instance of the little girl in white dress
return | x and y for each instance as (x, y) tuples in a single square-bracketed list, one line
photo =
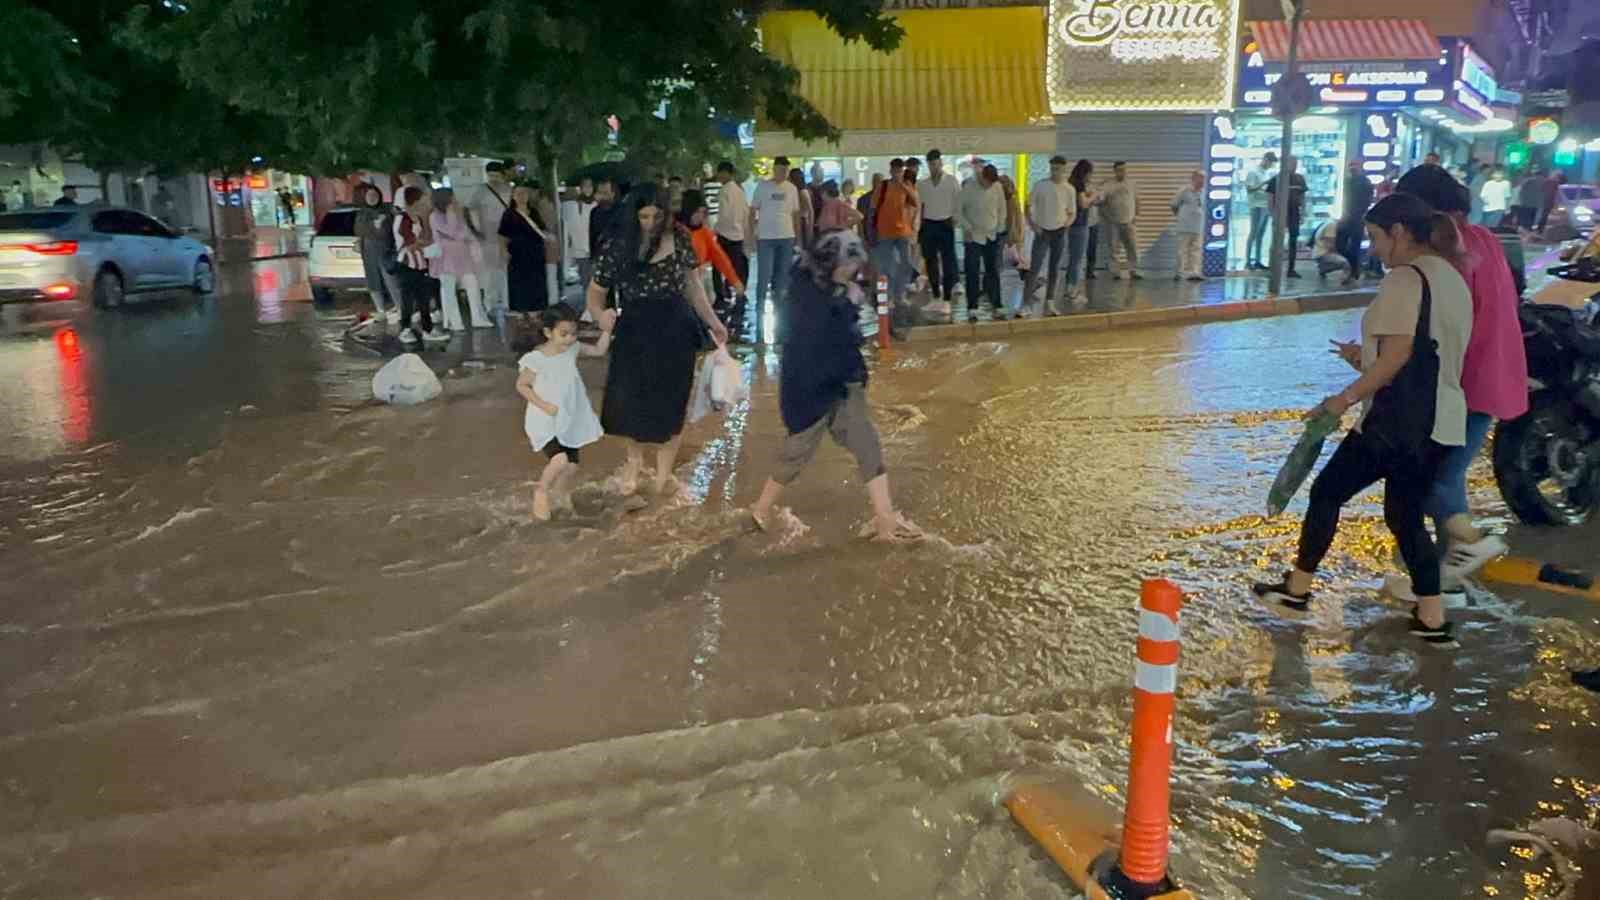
[(559, 419)]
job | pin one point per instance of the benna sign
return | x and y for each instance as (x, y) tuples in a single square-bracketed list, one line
[(1142, 54)]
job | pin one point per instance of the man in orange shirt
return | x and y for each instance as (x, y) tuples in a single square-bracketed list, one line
[(895, 218)]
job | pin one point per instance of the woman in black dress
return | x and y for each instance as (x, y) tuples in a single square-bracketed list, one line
[(525, 236), (648, 269)]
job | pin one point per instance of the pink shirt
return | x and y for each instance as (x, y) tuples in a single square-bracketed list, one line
[(1495, 373)]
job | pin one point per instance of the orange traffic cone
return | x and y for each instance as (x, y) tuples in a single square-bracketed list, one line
[(1069, 832)]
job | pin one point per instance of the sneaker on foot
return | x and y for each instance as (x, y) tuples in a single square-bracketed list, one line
[(1464, 559), (1279, 593), (1442, 635), (409, 337), (437, 335)]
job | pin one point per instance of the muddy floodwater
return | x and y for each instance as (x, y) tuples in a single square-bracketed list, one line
[(261, 637)]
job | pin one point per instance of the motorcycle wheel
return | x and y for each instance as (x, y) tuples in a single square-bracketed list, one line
[(1540, 468)]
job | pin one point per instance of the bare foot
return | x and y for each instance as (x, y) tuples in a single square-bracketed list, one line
[(897, 530), (541, 505), (628, 480), (667, 485)]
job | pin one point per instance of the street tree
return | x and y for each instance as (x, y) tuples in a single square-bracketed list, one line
[(370, 84)]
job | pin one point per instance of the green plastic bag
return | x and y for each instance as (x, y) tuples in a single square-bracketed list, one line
[(1302, 459)]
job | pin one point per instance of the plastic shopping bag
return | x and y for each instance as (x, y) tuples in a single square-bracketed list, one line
[(1302, 459), (700, 395), (727, 381), (406, 381)]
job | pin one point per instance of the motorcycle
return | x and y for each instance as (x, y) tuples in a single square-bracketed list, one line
[(1547, 463)]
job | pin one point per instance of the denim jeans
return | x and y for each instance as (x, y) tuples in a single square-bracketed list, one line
[(981, 265), (773, 260), (1051, 242), (1449, 497), (1077, 248), (1260, 216), (892, 256)]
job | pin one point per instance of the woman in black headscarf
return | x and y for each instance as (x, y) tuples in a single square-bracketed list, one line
[(648, 270)]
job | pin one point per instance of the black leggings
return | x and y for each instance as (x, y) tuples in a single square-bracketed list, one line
[(417, 291), (1407, 483)]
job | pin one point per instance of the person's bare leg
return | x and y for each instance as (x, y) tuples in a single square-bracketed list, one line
[(1299, 583), (763, 508), (666, 456), (1431, 610), (541, 494), (561, 491), (1462, 530), (885, 519), (632, 468)]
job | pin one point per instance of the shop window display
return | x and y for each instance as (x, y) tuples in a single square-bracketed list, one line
[(1320, 143)]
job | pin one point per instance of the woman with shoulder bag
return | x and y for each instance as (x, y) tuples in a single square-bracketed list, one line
[(1413, 342)]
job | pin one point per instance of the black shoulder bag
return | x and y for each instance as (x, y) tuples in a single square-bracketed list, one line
[(1400, 420)]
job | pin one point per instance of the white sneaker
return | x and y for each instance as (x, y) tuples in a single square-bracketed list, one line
[(437, 336), (1464, 559), (408, 337), (393, 315)]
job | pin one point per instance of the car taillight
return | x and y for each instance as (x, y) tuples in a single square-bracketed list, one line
[(62, 291), (50, 248)]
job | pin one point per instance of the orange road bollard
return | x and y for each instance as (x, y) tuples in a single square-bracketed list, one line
[(883, 313), (1070, 833)]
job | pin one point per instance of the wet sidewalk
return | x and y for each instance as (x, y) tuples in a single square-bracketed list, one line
[(1111, 303), (265, 244)]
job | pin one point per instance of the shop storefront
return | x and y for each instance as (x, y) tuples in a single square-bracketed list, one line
[(1141, 83), (1388, 92), (968, 82)]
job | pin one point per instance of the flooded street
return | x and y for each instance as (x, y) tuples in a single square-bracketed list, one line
[(263, 637)]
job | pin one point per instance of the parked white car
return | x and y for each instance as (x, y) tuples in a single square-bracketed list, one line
[(335, 259), (100, 254)]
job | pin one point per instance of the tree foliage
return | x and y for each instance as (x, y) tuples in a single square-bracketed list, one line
[(391, 83)]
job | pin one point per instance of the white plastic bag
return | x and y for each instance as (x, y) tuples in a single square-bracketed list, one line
[(700, 394), (406, 381), (727, 381)]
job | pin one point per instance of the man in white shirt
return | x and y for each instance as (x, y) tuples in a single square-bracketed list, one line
[(1052, 206), (937, 235), (776, 209), (733, 225), (489, 203), (1119, 205), (575, 222), (1496, 194), (982, 215), (1255, 186)]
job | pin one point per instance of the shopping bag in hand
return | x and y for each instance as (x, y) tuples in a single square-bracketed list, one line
[(727, 381), (700, 394), (1302, 459)]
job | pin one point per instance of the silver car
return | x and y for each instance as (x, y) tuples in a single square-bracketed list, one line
[(99, 254), (1575, 214)]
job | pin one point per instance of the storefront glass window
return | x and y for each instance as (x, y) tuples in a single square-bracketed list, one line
[(1320, 143)]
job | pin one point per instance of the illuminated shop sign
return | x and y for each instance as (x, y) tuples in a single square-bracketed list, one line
[(1355, 83), (1142, 54)]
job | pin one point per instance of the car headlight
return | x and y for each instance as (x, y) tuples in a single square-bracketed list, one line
[(1583, 214)]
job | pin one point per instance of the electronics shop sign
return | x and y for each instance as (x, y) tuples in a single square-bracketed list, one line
[(1366, 84)]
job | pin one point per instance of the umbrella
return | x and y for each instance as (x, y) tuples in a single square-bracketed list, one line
[(1297, 468)]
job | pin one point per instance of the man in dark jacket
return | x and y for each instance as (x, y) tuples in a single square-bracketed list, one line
[(1358, 193), (602, 219)]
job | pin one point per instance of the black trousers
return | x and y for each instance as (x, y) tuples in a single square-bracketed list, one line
[(981, 263), (1349, 239), (1407, 483), (741, 265), (938, 241), (1091, 255), (417, 291), (1291, 241)]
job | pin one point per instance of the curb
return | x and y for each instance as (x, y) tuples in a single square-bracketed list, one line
[(245, 260), (1175, 315)]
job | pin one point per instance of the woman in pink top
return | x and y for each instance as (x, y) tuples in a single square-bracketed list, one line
[(458, 262), (1494, 375)]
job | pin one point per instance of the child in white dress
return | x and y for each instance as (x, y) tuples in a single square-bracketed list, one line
[(559, 419)]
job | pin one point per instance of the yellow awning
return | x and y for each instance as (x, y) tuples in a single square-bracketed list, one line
[(961, 70)]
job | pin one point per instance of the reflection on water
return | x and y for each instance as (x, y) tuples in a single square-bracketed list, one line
[(318, 648)]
